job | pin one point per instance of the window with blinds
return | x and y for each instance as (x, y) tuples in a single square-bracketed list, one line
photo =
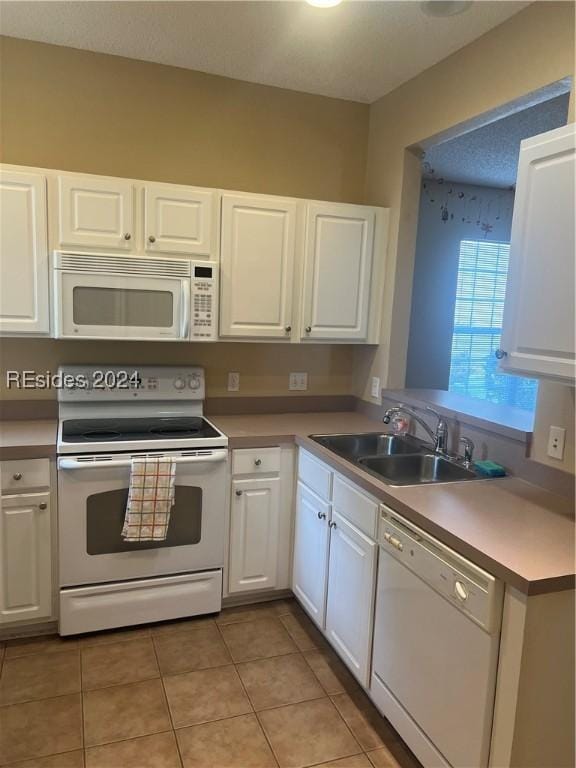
[(482, 273)]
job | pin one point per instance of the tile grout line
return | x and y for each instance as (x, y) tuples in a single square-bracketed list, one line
[(119, 741), (173, 731), (255, 713), (274, 755), (82, 734), (277, 618), (87, 690), (251, 702)]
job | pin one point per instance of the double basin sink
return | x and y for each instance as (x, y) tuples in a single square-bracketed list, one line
[(397, 459)]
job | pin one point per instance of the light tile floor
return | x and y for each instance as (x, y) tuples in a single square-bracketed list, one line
[(254, 687)]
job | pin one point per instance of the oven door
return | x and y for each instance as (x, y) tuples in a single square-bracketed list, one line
[(92, 495), (104, 306)]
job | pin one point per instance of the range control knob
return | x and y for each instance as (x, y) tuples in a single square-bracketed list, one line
[(179, 383), (460, 591), (194, 381)]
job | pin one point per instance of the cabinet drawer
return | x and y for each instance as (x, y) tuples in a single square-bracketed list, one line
[(315, 474), (254, 461), (355, 506), (20, 475)]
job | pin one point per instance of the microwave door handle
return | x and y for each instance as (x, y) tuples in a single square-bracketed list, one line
[(64, 463), (186, 291)]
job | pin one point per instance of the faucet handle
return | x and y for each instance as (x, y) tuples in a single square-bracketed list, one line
[(435, 412), (468, 449)]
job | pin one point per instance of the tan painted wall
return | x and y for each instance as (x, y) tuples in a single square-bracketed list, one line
[(80, 111), (263, 368), (529, 51)]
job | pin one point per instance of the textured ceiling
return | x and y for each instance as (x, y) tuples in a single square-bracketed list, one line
[(489, 155), (358, 50)]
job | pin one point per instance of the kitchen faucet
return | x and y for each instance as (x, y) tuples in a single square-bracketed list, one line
[(439, 437)]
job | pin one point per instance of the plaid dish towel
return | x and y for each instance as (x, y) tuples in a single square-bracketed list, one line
[(150, 499)]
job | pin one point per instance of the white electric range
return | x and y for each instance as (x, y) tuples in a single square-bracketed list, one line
[(108, 415)]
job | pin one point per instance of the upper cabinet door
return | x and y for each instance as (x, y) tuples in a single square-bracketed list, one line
[(96, 212), (337, 270), (179, 219), (257, 264), (538, 325), (24, 253)]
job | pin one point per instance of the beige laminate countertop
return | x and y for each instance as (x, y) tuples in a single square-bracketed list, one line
[(28, 439), (515, 530)]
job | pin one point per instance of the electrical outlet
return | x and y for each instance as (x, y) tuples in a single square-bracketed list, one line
[(375, 390), (298, 381), (233, 381), (556, 440)]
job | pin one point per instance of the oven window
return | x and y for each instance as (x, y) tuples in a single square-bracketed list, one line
[(105, 518), (123, 307)]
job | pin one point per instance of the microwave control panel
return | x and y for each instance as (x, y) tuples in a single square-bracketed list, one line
[(204, 309)]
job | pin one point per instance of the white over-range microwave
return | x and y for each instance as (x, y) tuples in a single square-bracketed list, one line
[(98, 296)]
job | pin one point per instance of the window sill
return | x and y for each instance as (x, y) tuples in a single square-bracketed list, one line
[(512, 423)]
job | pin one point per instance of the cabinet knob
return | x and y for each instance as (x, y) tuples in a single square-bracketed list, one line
[(257, 462), (321, 515), (127, 236), (308, 329), (238, 493), (43, 505), (288, 328), (151, 239), (332, 524), (500, 354), (17, 476)]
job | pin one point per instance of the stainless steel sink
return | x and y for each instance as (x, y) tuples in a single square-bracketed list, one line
[(416, 469), (370, 444)]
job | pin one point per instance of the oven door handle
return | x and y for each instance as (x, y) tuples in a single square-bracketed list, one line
[(64, 463)]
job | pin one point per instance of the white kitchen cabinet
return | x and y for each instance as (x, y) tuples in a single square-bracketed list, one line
[(538, 326), (261, 520), (179, 219), (254, 534), (24, 292), (334, 572), (258, 246), (25, 565), (96, 212), (337, 272), (351, 585), (311, 544)]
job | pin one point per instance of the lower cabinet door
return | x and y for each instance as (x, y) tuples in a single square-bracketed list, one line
[(254, 539), (311, 540), (26, 558), (350, 606)]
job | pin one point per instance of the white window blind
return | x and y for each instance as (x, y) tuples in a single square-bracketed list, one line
[(480, 292)]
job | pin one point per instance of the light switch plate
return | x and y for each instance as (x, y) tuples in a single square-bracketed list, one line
[(298, 381), (556, 440), (233, 381), (375, 389)]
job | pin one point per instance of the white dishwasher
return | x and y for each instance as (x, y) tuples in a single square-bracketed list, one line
[(436, 640)]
